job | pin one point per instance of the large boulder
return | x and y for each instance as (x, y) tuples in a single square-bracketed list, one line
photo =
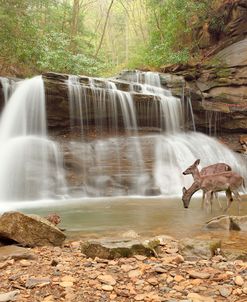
[(29, 230), (112, 249)]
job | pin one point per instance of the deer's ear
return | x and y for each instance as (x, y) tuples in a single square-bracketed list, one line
[(184, 190), (197, 162)]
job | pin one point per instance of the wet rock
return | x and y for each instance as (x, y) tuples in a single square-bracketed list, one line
[(111, 249), (10, 296), (240, 221), (204, 249), (29, 230), (233, 254), (219, 223), (15, 252), (130, 235)]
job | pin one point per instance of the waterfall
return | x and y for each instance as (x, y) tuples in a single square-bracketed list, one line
[(114, 110), (8, 87), (106, 151), (176, 152), (169, 114), (31, 166), (124, 162)]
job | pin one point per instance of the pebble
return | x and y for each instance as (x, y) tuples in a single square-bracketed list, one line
[(134, 273), (107, 279), (225, 291), (198, 275), (66, 284), (198, 298), (239, 280), (107, 288)]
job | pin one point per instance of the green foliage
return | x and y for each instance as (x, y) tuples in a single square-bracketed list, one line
[(63, 35), (38, 34), (171, 23)]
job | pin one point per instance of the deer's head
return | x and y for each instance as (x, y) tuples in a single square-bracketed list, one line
[(186, 198), (192, 168)]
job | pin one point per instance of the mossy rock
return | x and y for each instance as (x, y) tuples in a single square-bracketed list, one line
[(112, 249)]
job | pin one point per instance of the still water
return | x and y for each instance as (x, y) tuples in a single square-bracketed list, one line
[(111, 217)]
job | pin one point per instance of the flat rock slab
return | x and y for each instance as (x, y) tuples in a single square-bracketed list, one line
[(15, 252), (29, 230), (198, 249), (112, 249)]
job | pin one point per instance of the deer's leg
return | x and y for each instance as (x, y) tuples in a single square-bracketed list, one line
[(236, 194), (203, 199), (229, 199), (211, 201), (208, 198)]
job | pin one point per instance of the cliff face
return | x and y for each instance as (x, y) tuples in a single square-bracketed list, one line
[(218, 85)]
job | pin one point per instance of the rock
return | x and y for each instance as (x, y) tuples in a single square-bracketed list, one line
[(233, 254), (107, 279), (134, 273), (240, 222), (198, 275), (111, 249), (130, 235), (107, 287), (198, 298), (66, 284), (219, 223), (239, 280), (33, 282), (29, 230), (204, 249), (140, 297), (225, 291), (15, 252), (10, 296)]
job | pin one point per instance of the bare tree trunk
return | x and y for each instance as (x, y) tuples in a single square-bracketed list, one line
[(104, 29)]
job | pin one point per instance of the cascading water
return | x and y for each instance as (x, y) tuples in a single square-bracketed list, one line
[(8, 87), (30, 163), (112, 109), (132, 164), (106, 154), (169, 113)]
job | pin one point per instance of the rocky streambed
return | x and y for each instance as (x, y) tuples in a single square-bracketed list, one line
[(161, 268)]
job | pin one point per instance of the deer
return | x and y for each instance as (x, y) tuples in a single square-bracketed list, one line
[(209, 170), (229, 181)]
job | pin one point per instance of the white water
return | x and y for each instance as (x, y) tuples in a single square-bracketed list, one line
[(169, 113), (8, 87), (116, 165), (31, 166), (174, 153), (108, 108)]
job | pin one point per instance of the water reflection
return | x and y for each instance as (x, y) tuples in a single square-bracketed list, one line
[(148, 217)]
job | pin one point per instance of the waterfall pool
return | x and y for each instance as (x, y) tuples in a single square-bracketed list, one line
[(112, 217)]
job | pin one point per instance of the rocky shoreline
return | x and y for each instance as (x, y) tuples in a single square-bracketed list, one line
[(187, 270)]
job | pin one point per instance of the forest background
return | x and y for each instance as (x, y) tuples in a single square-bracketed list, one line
[(99, 37)]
